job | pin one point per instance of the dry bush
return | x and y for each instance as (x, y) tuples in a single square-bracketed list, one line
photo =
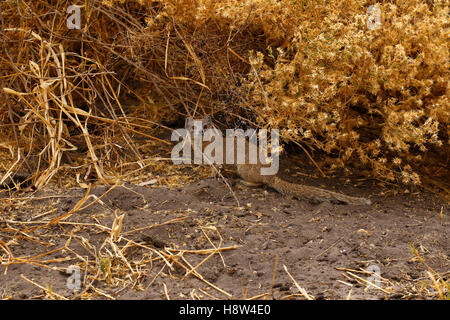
[(376, 99), (62, 88)]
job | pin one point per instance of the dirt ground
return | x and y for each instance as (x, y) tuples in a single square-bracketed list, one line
[(195, 242)]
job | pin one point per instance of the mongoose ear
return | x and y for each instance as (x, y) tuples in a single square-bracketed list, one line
[(207, 124), (188, 123)]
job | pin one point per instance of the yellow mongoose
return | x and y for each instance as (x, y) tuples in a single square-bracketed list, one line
[(251, 176)]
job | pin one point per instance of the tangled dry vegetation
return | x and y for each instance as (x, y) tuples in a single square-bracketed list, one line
[(93, 103), (375, 99)]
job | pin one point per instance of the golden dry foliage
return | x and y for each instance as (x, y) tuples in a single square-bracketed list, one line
[(377, 96), (377, 99)]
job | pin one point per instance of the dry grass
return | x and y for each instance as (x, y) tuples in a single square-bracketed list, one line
[(372, 99), (111, 260), (119, 262)]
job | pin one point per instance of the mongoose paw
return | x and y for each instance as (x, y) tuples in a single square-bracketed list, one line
[(315, 201), (251, 184)]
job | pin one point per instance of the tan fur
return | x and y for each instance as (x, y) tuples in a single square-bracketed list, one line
[(250, 173), (251, 176)]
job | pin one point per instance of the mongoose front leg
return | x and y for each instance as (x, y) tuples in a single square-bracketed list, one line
[(250, 183)]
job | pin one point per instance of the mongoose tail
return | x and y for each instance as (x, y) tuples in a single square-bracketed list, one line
[(312, 193)]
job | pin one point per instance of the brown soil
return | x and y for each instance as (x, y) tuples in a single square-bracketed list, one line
[(324, 247)]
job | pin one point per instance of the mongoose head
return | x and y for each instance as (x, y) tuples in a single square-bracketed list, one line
[(197, 126)]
